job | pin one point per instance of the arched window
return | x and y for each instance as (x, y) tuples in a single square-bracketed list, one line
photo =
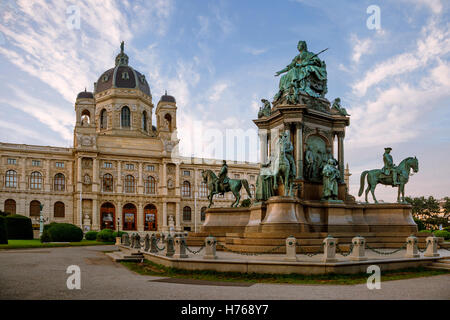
[(150, 185), (203, 214), (10, 206), (36, 180), (203, 190), (103, 119), (144, 121), (252, 190), (150, 218), (186, 189), (125, 117), (168, 121), (108, 183), (35, 208), (11, 179), (59, 183), (59, 210), (85, 118), (187, 215), (129, 184)]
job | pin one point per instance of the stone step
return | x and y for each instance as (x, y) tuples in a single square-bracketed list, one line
[(119, 256), (439, 266)]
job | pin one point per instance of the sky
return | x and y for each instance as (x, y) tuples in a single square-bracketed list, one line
[(218, 59)]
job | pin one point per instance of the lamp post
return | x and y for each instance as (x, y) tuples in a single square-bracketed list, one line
[(118, 238), (41, 220), (195, 210)]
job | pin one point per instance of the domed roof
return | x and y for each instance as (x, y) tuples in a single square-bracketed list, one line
[(122, 76), (167, 98), (85, 95)]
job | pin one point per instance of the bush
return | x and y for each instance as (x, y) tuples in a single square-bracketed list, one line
[(19, 227), (61, 232), (442, 233), (3, 231), (420, 224), (425, 231), (106, 235), (91, 235), (118, 234)]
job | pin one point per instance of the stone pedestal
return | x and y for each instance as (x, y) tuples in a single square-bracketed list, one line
[(180, 248), (118, 241), (291, 244), (359, 249), (329, 249), (411, 247), (210, 248), (432, 243)]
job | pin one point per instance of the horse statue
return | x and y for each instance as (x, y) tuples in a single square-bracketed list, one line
[(233, 185), (376, 176)]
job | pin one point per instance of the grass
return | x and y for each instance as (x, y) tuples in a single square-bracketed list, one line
[(36, 243), (153, 269)]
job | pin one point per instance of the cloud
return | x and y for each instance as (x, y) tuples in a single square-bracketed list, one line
[(434, 5), (254, 51), (360, 47)]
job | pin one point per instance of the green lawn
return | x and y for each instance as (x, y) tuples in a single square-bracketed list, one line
[(153, 269), (36, 243)]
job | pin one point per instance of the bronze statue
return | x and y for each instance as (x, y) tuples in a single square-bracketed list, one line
[(266, 110), (222, 182), (337, 106), (389, 166), (330, 180)]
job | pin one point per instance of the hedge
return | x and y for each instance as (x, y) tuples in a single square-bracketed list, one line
[(91, 235), (19, 227), (61, 232), (3, 231), (442, 233), (106, 235)]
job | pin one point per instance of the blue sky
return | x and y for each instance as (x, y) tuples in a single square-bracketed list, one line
[(218, 58)]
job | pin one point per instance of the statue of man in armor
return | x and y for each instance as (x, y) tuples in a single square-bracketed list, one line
[(288, 151), (389, 166), (309, 158), (223, 178)]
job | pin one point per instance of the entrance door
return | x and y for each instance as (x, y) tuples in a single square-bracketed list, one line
[(129, 217), (150, 218), (108, 216)]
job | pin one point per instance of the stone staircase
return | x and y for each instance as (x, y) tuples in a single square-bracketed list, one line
[(442, 264), (118, 256)]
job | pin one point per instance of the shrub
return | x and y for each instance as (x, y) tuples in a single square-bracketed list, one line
[(420, 224), (61, 232), (118, 234), (442, 233), (425, 231), (19, 227), (3, 231), (106, 235), (91, 235)]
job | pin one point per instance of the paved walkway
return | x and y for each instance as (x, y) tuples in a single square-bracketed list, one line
[(41, 274)]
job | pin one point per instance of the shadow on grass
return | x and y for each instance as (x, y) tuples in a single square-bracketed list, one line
[(152, 269)]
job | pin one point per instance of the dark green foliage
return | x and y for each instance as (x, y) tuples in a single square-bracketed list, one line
[(420, 225), (3, 231), (3, 214), (91, 235), (442, 233), (428, 211), (19, 227), (61, 232), (118, 234), (246, 203), (106, 235)]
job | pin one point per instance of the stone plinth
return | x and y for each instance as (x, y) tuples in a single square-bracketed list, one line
[(223, 220)]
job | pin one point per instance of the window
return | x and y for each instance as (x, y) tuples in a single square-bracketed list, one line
[(203, 213), (35, 208), (125, 75), (60, 165), (59, 210), (144, 120), (252, 190), (203, 190), (107, 165), (12, 161), (187, 215), (125, 117), (103, 119), (129, 166), (150, 185), (108, 183), (11, 179), (36, 163), (129, 184), (150, 167), (59, 183), (186, 189), (186, 173), (10, 206), (36, 180)]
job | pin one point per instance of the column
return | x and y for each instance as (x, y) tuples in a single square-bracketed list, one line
[(178, 217), (140, 217), (119, 176), (140, 180), (164, 216), (262, 146), (48, 178), (95, 214), (119, 215), (164, 181), (177, 180), (341, 136), (23, 178), (299, 150), (95, 180), (79, 185)]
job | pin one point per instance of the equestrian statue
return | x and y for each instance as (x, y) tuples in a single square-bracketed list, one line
[(390, 174)]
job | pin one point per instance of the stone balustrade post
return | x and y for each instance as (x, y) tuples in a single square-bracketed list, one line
[(210, 248), (291, 245), (153, 243), (411, 247), (146, 242), (137, 241), (359, 249), (180, 248), (329, 249), (126, 239), (432, 247), (169, 246)]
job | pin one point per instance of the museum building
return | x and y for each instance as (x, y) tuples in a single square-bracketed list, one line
[(122, 171)]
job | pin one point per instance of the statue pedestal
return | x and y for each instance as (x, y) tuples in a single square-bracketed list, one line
[(284, 215)]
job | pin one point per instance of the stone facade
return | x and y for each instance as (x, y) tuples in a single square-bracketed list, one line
[(121, 169)]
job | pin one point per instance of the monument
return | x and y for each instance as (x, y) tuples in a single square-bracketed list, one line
[(301, 189)]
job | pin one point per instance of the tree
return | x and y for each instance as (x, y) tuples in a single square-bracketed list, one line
[(428, 211)]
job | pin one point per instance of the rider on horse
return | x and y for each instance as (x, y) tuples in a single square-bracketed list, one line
[(389, 166), (223, 178)]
